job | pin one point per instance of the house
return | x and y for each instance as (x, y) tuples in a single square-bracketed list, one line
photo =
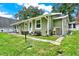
[(75, 24), (77, 21), (5, 24), (72, 25), (49, 24)]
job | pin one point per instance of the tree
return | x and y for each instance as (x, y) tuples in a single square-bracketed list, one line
[(29, 12), (66, 8)]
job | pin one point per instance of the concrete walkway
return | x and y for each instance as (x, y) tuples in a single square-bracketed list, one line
[(56, 42)]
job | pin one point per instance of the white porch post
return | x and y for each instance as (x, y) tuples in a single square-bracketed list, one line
[(16, 28), (62, 27), (48, 25), (32, 25), (28, 25), (24, 26), (72, 25)]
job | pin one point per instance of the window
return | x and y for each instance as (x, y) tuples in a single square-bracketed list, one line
[(38, 24)]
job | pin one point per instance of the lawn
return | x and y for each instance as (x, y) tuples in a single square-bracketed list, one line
[(12, 45), (70, 45)]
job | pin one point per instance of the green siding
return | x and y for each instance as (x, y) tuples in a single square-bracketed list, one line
[(25, 26), (65, 26), (33, 25), (44, 27), (58, 24), (52, 24)]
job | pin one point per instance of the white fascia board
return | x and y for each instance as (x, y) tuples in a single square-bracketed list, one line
[(56, 13), (61, 17), (72, 22)]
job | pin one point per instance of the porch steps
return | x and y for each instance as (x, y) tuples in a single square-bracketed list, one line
[(59, 39)]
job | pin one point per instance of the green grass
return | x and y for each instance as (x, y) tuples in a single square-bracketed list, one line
[(46, 37), (12, 45), (70, 45)]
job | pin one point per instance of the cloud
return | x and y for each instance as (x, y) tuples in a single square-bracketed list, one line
[(20, 3), (30, 4), (45, 13), (5, 14), (47, 9), (35, 4)]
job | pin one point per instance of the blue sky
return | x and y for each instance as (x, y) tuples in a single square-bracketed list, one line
[(10, 9)]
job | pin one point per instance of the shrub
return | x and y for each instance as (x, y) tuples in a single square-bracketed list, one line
[(38, 33)]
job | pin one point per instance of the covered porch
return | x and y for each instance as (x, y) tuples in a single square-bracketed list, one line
[(44, 25)]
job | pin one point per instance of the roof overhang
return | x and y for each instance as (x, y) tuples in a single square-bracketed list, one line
[(17, 23), (61, 17), (72, 22)]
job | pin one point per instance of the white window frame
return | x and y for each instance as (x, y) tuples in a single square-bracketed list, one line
[(36, 24)]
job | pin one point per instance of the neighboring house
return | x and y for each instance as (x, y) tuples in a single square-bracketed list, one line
[(75, 24), (5, 24), (72, 25), (77, 21), (49, 24)]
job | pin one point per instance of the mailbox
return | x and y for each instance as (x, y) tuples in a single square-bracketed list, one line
[(24, 32)]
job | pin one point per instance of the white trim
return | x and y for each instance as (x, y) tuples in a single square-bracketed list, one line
[(61, 17), (56, 13), (30, 29), (63, 31), (72, 22), (48, 25), (62, 28), (36, 23)]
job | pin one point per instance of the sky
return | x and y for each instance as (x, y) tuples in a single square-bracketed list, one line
[(10, 9)]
